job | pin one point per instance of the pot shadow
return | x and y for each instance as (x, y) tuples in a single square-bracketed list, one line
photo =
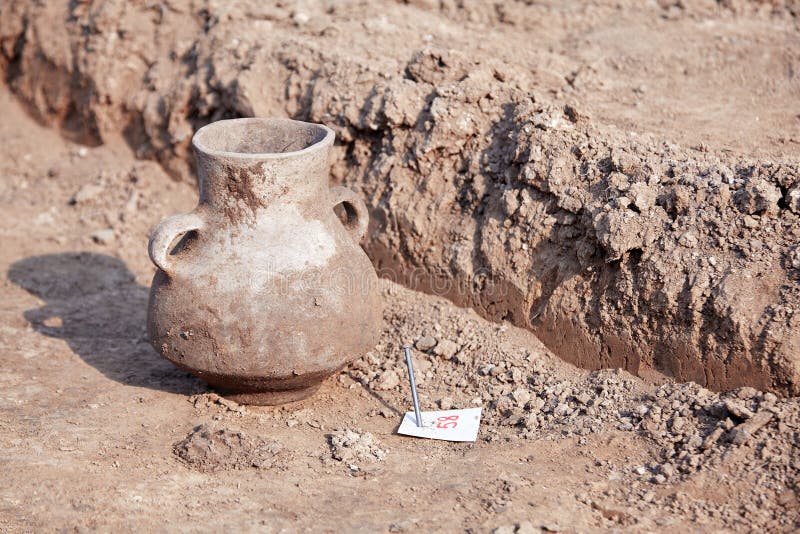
[(374, 394), (93, 302)]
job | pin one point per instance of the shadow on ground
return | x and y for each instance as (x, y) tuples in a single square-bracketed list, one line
[(93, 302)]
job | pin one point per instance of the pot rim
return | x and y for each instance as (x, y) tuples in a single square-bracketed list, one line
[(268, 122)]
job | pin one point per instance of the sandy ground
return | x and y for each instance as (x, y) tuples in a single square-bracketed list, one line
[(98, 433), (628, 170)]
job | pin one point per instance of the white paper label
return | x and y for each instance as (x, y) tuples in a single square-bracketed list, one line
[(448, 425)]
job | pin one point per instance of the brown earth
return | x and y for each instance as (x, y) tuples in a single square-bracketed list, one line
[(565, 167), (572, 170)]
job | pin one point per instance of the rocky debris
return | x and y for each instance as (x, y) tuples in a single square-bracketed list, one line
[(527, 395), (691, 422), (425, 343), (794, 257), (305, 416), (792, 199), (353, 447), (207, 448), (206, 401), (758, 197), (742, 433), (445, 403), (387, 380), (446, 349)]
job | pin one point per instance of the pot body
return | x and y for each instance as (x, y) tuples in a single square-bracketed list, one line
[(268, 292)]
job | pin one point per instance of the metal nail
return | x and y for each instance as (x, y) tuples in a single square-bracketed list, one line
[(413, 385)]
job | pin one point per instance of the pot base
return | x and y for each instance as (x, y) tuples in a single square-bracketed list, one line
[(272, 398)]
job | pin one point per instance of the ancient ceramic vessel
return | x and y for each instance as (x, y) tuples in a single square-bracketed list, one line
[(268, 291)]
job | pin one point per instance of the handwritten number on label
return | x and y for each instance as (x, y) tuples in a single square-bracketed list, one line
[(449, 425), (449, 421)]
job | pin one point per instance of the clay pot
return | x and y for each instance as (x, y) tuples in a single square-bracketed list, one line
[(268, 292)]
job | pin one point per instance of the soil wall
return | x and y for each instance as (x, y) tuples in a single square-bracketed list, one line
[(489, 179)]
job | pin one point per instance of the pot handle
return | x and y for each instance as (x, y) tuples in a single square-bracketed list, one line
[(165, 233), (357, 215)]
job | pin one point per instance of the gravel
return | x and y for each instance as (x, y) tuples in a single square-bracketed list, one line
[(528, 394)]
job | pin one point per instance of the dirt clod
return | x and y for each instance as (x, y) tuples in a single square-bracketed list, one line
[(207, 448), (353, 447), (445, 349), (425, 343)]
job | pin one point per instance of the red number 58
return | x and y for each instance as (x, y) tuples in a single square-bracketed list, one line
[(447, 421)]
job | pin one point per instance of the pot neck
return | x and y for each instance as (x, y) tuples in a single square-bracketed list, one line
[(238, 184)]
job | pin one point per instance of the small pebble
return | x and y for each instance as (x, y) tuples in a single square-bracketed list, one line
[(446, 349), (425, 343), (103, 237)]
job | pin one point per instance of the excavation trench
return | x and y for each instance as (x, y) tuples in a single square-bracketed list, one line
[(616, 250)]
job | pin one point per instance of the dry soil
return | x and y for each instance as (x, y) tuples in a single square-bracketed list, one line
[(619, 179)]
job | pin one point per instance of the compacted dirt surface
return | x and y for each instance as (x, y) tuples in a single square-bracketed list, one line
[(619, 180), (99, 433)]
